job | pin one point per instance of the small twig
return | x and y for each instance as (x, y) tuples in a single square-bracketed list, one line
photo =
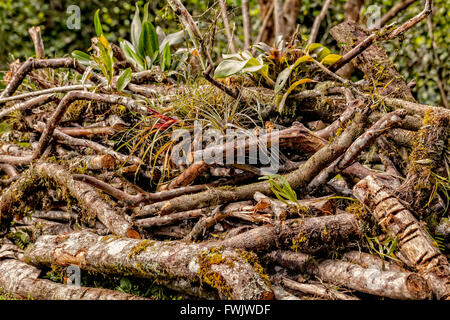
[(134, 200), (266, 19), (318, 21), (35, 33), (246, 23), (46, 91), (363, 45), (396, 9), (226, 23)]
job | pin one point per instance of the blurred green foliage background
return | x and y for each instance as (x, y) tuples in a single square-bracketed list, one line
[(412, 55)]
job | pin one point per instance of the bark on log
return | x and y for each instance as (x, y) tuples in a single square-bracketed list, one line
[(317, 290), (234, 274), (367, 260), (372, 60), (88, 197), (415, 245), (391, 284), (22, 279), (310, 235)]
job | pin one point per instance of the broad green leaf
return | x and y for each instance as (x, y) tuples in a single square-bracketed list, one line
[(288, 92), (301, 60), (284, 75), (161, 35), (252, 65), (124, 79), (246, 54), (166, 59), (331, 59), (232, 56), (148, 42), (312, 47), (323, 53), (136, 28), (82, 57), (173, 39), (131, 55), (282, 78), (98, 24), (229, 67)]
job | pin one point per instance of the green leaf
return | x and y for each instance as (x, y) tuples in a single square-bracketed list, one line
[(284, 75), (131, 55), (166, 60), (145, 19), (173, 39), (148, 42), (312, 47), (323, 53), (252, 65), (288, 92), (98, 24), (136, 28), (282, 78), (302, 60), (331, 59), (124, 79), (228, 68), (82, 57)]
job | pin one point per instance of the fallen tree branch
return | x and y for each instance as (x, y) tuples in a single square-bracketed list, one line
[(180, 266), (23, 280), (391, 284), (415, 246)]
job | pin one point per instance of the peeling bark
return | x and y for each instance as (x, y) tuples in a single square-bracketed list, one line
[(415, 245), (391, 284)]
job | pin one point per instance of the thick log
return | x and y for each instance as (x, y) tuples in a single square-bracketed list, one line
[(391, 284), (310, 235), (232, 273), (23, 280), (367, 260), (416, 248), (88, 197)]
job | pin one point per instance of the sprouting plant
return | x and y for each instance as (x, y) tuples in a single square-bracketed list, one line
[(21, 239), (281, 188), (241, 63), (102, 57), (149, 46), (385, 249)]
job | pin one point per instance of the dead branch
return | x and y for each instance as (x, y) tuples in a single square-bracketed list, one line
[(191, 267), (415, 245)]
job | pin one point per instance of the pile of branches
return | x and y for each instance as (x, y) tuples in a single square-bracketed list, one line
[(357, 210)]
